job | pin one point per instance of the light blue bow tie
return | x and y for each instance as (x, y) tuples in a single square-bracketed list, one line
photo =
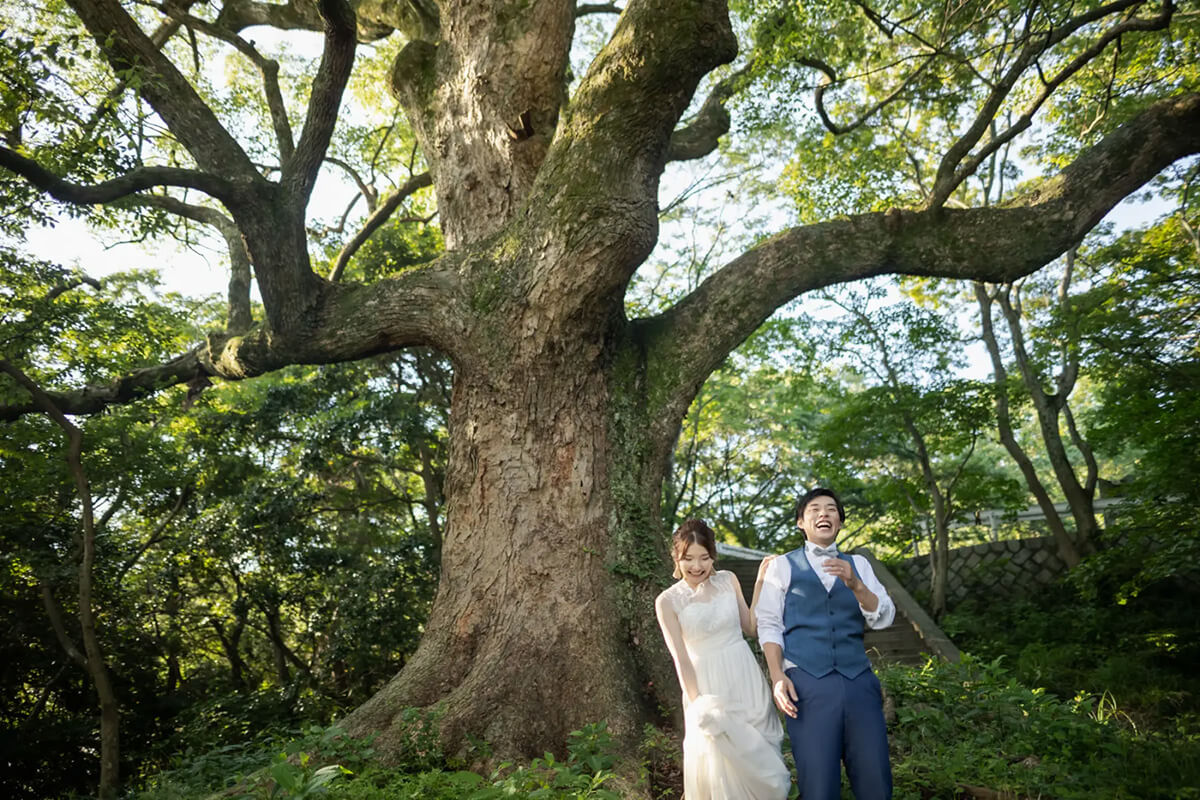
[(825, 552)]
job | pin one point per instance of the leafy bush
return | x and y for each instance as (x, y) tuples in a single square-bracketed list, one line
[(1140, 651), (973, 724), (418, 747), (275, 768), (583, 775), (389, 784), (297, 779), (959, 728), (326, 762)]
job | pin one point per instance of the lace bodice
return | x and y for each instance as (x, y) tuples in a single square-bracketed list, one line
[(708, 615)]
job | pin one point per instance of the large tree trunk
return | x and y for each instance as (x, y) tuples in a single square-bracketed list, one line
[(524, 642), (486, 138)]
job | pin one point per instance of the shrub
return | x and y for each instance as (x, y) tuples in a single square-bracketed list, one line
[(974, 724)]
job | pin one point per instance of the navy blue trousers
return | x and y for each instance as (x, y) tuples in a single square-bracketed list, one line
[(839, 719)]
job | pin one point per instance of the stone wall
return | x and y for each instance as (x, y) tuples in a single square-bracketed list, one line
[(1019, 566)]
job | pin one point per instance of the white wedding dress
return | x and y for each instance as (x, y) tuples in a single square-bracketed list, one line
[(732, 734)]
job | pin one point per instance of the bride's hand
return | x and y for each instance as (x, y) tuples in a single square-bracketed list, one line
[(762, 566)]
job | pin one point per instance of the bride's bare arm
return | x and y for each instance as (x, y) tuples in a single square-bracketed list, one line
[(669, 622), (748, 617)]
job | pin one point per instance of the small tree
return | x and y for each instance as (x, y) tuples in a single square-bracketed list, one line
[(912, 424)]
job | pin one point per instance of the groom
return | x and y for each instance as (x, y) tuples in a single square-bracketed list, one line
[(814, 605)]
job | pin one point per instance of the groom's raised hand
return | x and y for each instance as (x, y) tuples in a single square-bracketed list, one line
[(866, 598), (785, 695), (841, 569)]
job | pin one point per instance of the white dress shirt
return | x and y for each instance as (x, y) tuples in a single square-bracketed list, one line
[(778, 579)]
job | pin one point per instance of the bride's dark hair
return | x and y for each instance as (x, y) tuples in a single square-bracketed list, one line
[(694, 531)]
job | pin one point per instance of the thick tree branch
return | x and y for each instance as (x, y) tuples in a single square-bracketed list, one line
[(652, 97), (1035, 44), (381, 215), (997, 244), (267, 67), (953, 170), (700, 136), (417, 19), (159, 38), (584, 9), (126, 47), (300, 171), (135, 386), (627, 107), (417, 307), (116, 188), (336, 61)]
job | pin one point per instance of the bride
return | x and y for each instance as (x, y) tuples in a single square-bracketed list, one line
[(731, 731)]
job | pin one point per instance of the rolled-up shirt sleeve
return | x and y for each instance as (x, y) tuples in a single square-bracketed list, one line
[(885, 613), (769, 612)]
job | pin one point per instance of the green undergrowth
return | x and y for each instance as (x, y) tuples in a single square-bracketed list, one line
[(973, 725), (323, 762), (959, 730), (1140, 650)]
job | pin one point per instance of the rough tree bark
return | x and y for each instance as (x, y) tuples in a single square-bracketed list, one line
[(564, 411)]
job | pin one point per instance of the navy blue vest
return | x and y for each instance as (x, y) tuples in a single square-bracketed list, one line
[(822, 631)]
